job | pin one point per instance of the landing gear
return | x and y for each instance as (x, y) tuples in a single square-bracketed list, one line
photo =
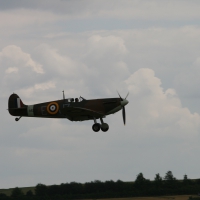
[(17, 119), (103, 126), (96, 127)]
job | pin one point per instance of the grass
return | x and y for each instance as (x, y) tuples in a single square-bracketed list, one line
[(24, 190), (178, 197)]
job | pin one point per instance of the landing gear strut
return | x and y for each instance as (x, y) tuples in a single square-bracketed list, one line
[(96, 126)]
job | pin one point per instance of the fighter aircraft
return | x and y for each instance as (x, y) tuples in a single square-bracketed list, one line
[(78, 109)]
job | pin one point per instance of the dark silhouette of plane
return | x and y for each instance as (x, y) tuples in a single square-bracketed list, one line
[(78, 109)]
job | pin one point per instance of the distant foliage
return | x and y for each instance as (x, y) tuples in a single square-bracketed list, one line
[(194, 198), (41, 190), (167, 185), (29, 193), (17, 193), (3, 196)]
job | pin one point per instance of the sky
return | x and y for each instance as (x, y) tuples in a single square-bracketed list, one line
[(87, 48)]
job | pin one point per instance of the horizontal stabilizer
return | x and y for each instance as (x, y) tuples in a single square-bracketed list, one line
[(24, 108)]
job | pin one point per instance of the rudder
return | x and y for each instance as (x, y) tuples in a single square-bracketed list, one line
[(14, 104)]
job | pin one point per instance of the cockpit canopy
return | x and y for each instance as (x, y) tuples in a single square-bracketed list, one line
[(74, 99)]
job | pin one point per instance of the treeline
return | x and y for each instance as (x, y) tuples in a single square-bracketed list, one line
[(167, 185)]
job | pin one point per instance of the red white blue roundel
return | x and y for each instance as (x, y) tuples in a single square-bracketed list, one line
[(52, 108)]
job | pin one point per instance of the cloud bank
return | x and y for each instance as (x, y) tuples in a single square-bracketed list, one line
[(92, 49)]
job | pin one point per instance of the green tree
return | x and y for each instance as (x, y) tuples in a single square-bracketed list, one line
[(171, 182), (41, 190), (169, 176), (4, 196), (158, 180), (29, 193), (17, 192), (140, 178), (185, 178), (186, 181), (141, 182), (76, 188)]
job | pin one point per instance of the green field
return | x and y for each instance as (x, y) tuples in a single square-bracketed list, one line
[(24, 190), (175, 197), (178, 197)]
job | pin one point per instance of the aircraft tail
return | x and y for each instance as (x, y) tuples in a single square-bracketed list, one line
[(15, 104)]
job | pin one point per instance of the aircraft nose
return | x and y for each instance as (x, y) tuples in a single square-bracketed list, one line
[(124, 102)]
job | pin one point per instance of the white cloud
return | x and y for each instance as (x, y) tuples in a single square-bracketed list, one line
[(11, 70), (151, 10), (60, 64), (105, 59), (159, 111), (41, 87), (155, 64), (18, 70), (187, 81), (158, 127), (102, 45), (129, 9), (45, 86), (15, 18), (14, 54)]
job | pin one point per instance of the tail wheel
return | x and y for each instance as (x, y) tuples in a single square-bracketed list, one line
[(104, 127), (96, 127)]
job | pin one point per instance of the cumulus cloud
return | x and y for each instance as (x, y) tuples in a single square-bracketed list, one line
[(159, 109), (32, 91), (155, 63), (60, 64), (14, 19), (130, 9), (156, 122), (11, 70), (14, 54), (187, 81), (105, 59), (18, 69)]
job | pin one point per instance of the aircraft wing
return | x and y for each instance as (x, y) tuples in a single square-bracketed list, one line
[(76, 112)]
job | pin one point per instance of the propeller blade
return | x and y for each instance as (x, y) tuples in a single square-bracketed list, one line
[(124, 114), (123, 103), (120, 96), (127, 95)]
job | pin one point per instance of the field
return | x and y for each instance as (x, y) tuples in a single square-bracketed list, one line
[(178, 197), (24, 190)]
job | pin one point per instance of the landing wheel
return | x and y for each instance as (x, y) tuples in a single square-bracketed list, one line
[(96, 127), (17, 119), (104, 127)]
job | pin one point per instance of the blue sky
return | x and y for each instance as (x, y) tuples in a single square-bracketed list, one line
[(93, 48)]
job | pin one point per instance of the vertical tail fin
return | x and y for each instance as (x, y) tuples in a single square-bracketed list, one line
[(14, 103)]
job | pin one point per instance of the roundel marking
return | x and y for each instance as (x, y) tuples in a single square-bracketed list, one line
[(52, 108)]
